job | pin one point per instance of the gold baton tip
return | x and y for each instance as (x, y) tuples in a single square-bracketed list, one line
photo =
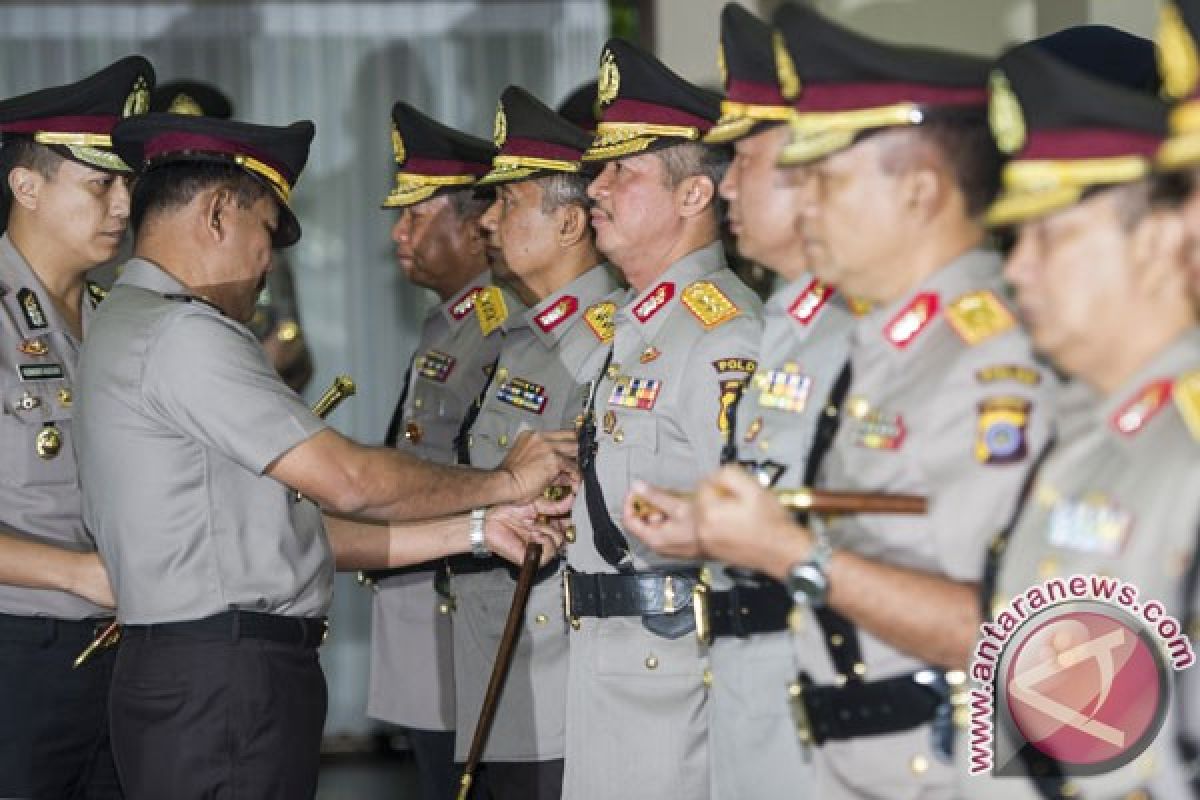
[(464, 786), (345, 385), (555, 493)]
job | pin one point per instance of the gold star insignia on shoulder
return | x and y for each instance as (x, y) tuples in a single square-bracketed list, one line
[(709, 304), (599, 319), (978, 316)]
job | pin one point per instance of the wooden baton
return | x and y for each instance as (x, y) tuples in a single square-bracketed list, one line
[(819, 501)]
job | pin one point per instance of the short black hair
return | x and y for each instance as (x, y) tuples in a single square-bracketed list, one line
[(170, 187), (23, 151)]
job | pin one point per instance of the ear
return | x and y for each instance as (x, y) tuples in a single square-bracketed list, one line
[(924, 192), (1157, 254), (214, 222), (574, 225), (474, 238), (694, 195), (25, 185)]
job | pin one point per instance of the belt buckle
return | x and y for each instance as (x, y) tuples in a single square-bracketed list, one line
[(701, 612), (572, 620), (669, 598)]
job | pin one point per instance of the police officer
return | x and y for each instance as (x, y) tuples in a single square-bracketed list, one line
[(190, 448), (276, 320), (1119, 492), (942, 398), (439, 246), (752, 745), (67, 196), (539, 223), (684, 342)]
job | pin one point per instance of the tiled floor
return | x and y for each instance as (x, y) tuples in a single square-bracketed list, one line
[(389, 779)]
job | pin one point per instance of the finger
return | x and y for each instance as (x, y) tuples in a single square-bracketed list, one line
[(564, 436)]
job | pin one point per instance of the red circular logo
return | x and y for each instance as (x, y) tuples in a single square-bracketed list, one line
[(1086, 688)]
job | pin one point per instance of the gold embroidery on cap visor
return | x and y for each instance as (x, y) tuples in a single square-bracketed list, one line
[(1035, 188), (618, 139), (816, 134), (412, 188), (516, 168), (738, 119), (86, 147), (278, 184)]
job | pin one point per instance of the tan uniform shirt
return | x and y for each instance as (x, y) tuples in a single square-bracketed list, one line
[(1118, 496), (412, 652), (948, 402), (805, 343), (636, 702), (39, 485), (550, 354), (179, 414)]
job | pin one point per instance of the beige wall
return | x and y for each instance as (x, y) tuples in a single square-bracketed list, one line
[(686, 30)]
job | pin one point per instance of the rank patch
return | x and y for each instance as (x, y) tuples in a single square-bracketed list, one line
[(437, 366), (746, 365), (654, 301), (784, 389), (912, 319), (1187, 400), (1000, 432), (1009, 372), (40, 372), (31, 307), (553, 316), (709, 304), (465, 304), (979, 316), (630, 392), (810, 302), (491, 309), (1134, 415), (880, 431), (731, 390), (522, 394), (600, 319), (1093, 524)]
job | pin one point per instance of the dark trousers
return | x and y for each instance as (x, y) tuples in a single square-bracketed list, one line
[(216, 718), (524, 780), (433, 752), (53, 718)]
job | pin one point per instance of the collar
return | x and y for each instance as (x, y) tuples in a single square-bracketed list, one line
[(649, 309), (553, 317), (1132, 409), (904, 325), (462, 305), (143, 274)]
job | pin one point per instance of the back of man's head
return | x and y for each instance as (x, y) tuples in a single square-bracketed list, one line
[(170, 188)]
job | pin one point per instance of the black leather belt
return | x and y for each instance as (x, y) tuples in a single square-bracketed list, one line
[(872, 708), (748, 610), (662, 598), (48, 629), (305, 632)]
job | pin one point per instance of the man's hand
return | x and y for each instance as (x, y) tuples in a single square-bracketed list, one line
[(540, 459), (508, 529), (89, 580), (742, 524), (670, 530)]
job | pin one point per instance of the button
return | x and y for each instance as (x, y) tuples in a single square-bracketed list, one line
[(708, 679), (613, 371), (288, 331), (64, 397), (443, 608), (503, 440), (837, 640), (541, 619), (569, 534), (619, 436), (919, 765), (794, 690), (860, 669), (651, 662), (858, 407), (418, 403), (502, 374)]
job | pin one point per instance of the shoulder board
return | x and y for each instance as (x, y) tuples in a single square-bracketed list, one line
[(1187, 400), (1132, 417), (599, 318), (810, 302), (553, 316), (709, 304), (96, 292), (911, 320), (978, 316), (490, 309)]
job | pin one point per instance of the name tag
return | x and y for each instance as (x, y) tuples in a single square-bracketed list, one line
[(40, 372)]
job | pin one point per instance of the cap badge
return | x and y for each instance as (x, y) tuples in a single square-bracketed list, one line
[(138, 100), (609, 80), (1004, 115), (785, 68), (398, 146), (185, 104), (722, 67), (1177, 60), (500, 126)]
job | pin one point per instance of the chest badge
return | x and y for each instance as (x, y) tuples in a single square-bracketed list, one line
[(34, 347), (522, 394), (1000, 432), (31, 308), (649, 354), (1093, 524), (48, 442), (639, 393), (437, 366), (784, 389), (878, 430)]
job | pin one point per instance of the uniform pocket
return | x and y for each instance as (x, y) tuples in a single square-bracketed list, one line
[(35, 436)]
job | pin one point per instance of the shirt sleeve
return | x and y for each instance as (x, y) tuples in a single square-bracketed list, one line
[(210, 380)]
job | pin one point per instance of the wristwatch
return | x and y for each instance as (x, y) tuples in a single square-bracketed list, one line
[(808, 581), (479, 547)]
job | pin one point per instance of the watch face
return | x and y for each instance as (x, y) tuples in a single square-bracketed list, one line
[(808, 585)]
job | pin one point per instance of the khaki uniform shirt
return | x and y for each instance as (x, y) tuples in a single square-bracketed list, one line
[(412, 652), (948, 402), (179, 415), (1118, 496), (550, 354), (636, 702), (39, 486), (805, 343)]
